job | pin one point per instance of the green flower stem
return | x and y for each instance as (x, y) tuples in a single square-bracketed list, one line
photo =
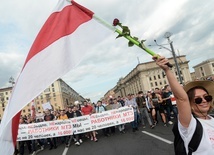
[(136, 42), (142, 46)]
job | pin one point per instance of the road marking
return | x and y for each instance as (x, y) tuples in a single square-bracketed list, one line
[(160, 138), (66, 148), (65, 151)]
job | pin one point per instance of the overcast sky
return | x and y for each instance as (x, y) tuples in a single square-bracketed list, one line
[(191, 22)]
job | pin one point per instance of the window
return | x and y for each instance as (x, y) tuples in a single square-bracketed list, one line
[(160, 83), (53, 90), (54, 95), (37, 102), (28, 110), (156, 84), (213, 64), (150, 78), (6, 93), (7, 98), (41, 97), (201, 68), (151, 84), (158, 76), (154, 77), (39, 108), (52, 85), (163, 75), (23, 111)]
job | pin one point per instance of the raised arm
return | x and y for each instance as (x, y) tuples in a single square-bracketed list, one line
[(182, 100)]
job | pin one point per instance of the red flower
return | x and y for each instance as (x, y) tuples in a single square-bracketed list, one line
[(116, 22)]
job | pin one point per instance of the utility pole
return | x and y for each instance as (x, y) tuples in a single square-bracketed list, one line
[(168, 35)]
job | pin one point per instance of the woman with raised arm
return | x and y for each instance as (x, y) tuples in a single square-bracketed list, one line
[(194, 101)]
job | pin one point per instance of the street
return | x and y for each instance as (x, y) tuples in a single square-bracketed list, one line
[(157, 141)]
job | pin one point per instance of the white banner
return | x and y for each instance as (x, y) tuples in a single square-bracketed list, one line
[(76, 125)]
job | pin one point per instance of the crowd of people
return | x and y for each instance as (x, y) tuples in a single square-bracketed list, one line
[(147, 106)]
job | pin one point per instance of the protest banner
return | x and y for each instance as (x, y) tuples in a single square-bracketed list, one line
[(75, 125), (46, 105), (44, 130)]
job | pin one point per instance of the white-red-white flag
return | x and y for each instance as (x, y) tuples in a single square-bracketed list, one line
[(59, 46)]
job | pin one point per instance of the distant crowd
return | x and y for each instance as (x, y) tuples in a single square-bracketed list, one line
[(147, 106)]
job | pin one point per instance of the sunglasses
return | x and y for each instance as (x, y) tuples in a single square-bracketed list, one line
[(199, 100)]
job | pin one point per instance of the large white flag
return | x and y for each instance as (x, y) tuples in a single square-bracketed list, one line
[(59, 46)]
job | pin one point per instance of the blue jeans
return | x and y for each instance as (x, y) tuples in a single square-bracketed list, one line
[(34, 144), (170, 108), (134, 123)]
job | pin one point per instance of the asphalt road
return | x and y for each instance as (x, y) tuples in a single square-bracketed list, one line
[(157, 141)]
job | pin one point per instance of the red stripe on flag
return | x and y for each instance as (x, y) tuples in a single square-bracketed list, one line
[(58, 25), (15, 127)]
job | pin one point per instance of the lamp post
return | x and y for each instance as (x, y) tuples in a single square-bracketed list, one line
[(167, 35), (12, 81)]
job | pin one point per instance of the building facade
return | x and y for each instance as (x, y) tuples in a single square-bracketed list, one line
[(204, 69), (147, 76), (58, 94)]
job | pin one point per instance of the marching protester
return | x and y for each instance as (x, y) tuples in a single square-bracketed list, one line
[(63, 116), (50, 117), (117, 105), (168, 106), (99, 109), (157, 102), (87, 109), (121, 101), (23, 143), (76, 113), (194, 101), (34, 142), (141, 102), (110, 106), (132, 103)]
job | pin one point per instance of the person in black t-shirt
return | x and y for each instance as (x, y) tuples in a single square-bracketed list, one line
[(50, 117)]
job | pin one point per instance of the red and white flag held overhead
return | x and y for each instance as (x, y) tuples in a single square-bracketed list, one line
[(60, 45)]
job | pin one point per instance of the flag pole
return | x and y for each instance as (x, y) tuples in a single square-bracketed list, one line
[(136, 42), (128, 37)]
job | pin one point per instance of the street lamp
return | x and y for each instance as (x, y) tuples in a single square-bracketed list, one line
[(12, 81), (168, 35)]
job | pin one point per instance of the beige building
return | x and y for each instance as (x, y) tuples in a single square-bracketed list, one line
[(59, 95), (205, 69), (147, 76)]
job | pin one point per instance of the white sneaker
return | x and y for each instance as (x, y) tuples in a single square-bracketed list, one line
[(77, 143), (34, 152), (42, 147), (170, 122), (80, 141)]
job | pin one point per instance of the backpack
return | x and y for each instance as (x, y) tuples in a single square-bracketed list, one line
[(179, 147)]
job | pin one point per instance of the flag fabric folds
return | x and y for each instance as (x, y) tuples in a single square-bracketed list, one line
[(59, 46)]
